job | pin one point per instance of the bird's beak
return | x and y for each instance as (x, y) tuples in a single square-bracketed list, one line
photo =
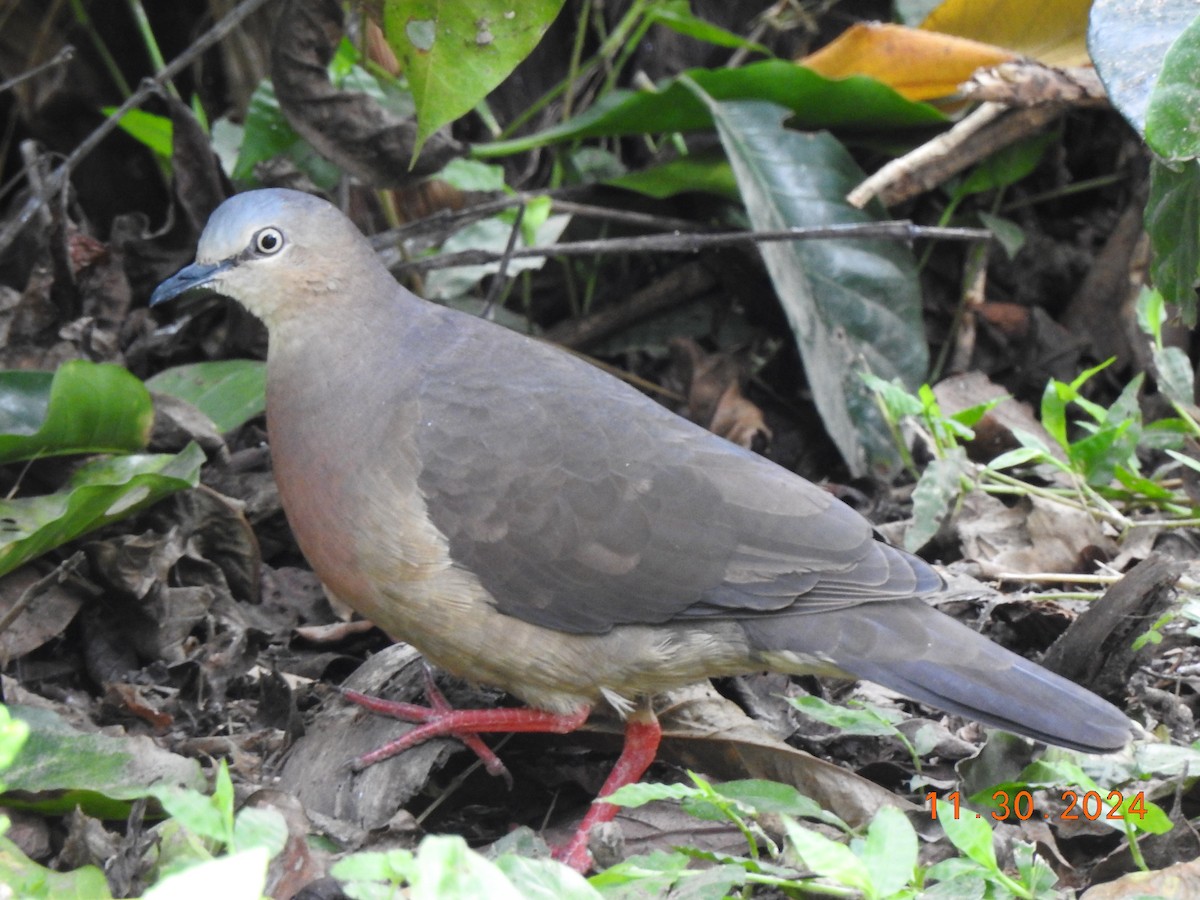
[(195, 279)]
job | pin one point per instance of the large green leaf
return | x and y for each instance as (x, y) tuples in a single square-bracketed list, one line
[(228, 391), (1173, 116), (1146, 52), (705, 172), (854, 305), (852, 104), (101, 492), (59, 768), (22, 877), (268, 134), (1128, 41), (1173, 224), (455, 53), (84, 407)]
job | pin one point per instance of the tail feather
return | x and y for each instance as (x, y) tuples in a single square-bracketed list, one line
[(910, 647)]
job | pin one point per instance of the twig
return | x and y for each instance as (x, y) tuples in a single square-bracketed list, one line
[(502, 272), (445, 219), (62, 56), (693, 243), (148, 87), (980, 134), (688, 281)]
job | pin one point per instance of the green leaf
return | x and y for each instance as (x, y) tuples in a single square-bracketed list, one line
[(1173, 224), (642, 792), (1096, 456), (853, 104), (1018, 457), (72, 767), (829, 859), (890, 851), (935, 493), (545, 879), (241, 876), (971, 416), (473, 175), (267, 135), (868, 722), (1173, 116), (854, 305), (260, 827), (1035, 874), (155, 132), (676, 15), (99, 493), (971, 834), (84, 407), (1126, 42), (374, 865), (897, 399), (201, 814), (13, 734), (454, 54), (1007, 165), (22, 877), (1054, 412), (447, 869), (1151, 313), (1010, 235), (771, 797), (488, 234), (230, 392), (650, 875), (708, 173)]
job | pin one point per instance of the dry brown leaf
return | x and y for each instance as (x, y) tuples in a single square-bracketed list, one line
[(45, 616), (714, 394), (994, 433), (132, 699), (1178, 882), (300, 863), (1035, 535), (316, 769), (705, 732), (917, 64)]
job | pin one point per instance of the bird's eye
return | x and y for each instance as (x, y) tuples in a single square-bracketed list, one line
[(268, 241)]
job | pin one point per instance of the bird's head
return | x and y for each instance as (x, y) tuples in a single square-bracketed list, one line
[(274, 251)]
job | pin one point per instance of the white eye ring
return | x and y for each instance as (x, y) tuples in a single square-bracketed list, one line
[(268, 241)]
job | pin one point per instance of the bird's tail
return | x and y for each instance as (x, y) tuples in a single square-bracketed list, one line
[(910, 647)]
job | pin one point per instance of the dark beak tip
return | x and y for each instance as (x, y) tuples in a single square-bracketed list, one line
[(193, 279), (163, 293)]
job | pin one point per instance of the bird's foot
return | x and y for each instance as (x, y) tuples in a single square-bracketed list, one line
[(440, 719), (642, 737)]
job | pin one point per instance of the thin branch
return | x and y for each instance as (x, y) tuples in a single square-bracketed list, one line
[(62, 56), (693, 243), (445, 219)]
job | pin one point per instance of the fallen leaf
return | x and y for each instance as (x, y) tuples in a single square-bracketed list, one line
[(1051, 31), (917, 64)]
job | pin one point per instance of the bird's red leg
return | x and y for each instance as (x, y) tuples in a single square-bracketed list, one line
[(642, 737), (440, 719)]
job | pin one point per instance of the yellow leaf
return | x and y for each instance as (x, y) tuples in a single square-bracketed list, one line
[(919, 65), (1051, 31)]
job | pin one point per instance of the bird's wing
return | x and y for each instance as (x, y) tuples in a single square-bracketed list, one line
[(581, 504)]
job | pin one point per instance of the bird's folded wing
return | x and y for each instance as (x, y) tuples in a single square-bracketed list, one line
[(588, 505)]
